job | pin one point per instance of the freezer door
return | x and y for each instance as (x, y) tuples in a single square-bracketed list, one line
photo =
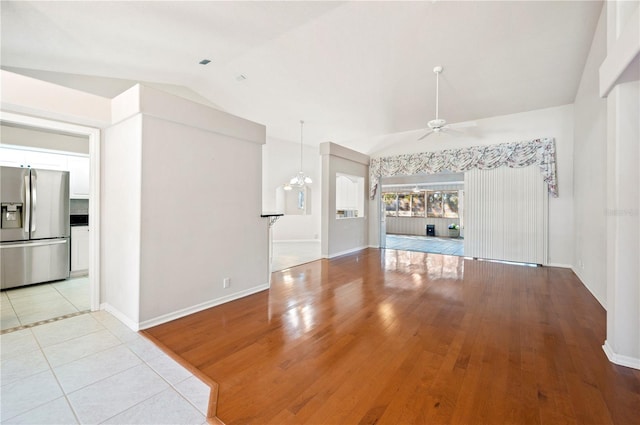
[(14, 204), (24, 263), (49, 204)]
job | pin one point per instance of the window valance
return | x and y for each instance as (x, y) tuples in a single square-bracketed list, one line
[(541, 152)]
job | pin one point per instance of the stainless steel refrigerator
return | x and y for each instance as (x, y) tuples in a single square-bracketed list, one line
[(34, 233)]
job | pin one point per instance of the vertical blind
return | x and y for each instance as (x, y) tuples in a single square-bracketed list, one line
[(506, 215)]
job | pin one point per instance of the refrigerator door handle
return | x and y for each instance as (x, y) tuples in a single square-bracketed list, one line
[(32, 244), (34, 202), (27, 206)]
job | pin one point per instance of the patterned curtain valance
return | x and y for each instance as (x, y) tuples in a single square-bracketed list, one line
[(541, 152)]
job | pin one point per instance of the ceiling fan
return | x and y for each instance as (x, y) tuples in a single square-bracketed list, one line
[(439, 125)]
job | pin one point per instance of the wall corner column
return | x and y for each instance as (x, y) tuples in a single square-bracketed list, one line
[(622, 345)]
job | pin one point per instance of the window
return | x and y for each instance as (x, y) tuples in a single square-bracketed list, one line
[(450, 204), (434, 204), (390, 201), (442, 204), (404, 204), (417, 204)]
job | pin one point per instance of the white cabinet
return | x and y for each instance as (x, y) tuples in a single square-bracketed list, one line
[(12, 157), (34, 159), (78, 167), (79, 248), (46, 160)]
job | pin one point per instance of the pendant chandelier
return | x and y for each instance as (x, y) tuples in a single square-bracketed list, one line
[(300, 179)]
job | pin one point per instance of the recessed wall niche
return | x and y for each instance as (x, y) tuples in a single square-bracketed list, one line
[(349, 196)]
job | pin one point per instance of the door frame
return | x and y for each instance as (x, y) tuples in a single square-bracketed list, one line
[(93, 134)]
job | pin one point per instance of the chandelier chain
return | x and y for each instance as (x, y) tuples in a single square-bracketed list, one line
[(301, 134)]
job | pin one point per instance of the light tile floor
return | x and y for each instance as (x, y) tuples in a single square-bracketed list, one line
[(92, 369), (287, 254), (30, 304), (449, 246)]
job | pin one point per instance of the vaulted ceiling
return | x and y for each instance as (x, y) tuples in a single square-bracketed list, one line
[(351, 70)]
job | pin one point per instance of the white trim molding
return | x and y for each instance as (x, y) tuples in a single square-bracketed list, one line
[(576, 271), (296, 241), (346, 252), (199, 307), (620, 359), (120, 316)]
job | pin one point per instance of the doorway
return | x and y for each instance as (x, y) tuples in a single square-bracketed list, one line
[(67, 290), (423, 213)]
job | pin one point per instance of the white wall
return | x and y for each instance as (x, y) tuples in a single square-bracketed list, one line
[(281, 161), (174, 197), (556, 122), (120, 219), (194, 230), (22, 94), (341, 236), (620, 83), (33, 138), (589, 171)]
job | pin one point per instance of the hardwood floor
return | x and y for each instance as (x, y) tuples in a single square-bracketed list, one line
[(394, 337)]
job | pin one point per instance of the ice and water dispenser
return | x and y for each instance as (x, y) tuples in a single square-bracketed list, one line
[(12, 215)]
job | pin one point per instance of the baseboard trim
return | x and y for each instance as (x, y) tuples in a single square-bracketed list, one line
[(79, 273), (295, 240), (581, 279), (620, 359), (120, 316), (374, 246), (564, 266), (199, 307), (346, 252)]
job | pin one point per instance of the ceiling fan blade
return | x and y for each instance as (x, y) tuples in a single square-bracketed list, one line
[(425, 135)]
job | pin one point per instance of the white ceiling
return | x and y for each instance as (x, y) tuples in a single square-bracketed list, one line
[(351, 70)]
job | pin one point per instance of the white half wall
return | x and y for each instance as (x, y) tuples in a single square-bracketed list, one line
[(556, 122), (345, 235)]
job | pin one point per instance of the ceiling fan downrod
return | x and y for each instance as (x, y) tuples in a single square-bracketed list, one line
[(437, 70)]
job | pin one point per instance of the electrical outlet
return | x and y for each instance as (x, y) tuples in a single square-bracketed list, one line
[(226, 282)]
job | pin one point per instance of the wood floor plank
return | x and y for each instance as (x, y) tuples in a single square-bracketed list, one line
[(393, 337)]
